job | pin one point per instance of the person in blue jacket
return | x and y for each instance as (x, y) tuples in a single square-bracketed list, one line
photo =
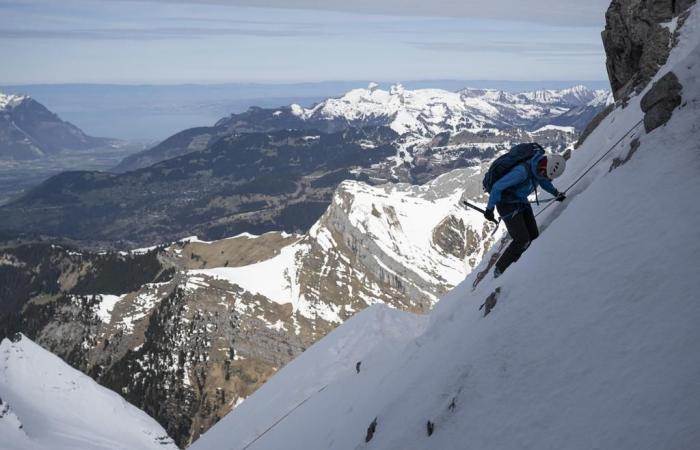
[(509, 194)]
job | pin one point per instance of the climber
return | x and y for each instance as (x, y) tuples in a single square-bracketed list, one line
[(509, 194)]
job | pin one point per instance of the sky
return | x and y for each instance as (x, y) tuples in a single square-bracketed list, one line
[(275, 41)]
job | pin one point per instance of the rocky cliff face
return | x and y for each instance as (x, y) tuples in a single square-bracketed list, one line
[(402, 245), (638, 37)]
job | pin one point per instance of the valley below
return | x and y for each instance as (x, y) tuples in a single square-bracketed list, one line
[(17, 177)]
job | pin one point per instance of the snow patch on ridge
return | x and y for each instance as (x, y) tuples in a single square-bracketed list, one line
[(270, 278), (556, 127), (107, 304), (8, 101)]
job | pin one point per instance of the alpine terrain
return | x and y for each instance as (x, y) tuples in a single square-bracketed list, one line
[(189, 330), (324, 303), (277, 169), (588, 341)]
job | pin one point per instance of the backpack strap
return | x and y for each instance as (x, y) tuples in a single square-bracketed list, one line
[(531, 176)]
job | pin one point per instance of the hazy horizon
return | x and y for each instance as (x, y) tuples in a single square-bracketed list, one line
[(274, 41), (154, 112)]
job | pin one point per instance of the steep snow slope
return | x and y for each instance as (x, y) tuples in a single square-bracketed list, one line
[(376, 330), (593, 341), (47, 404)]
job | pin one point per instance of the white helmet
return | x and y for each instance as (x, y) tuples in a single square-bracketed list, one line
[(555, 166)]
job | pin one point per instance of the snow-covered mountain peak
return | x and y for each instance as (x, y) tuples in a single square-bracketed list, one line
[(602, 98), (60, 408), (427, 112), (11, 100)]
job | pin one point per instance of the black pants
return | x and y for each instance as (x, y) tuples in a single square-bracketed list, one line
[(522, 227)]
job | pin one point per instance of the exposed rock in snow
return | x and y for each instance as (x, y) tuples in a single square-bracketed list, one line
[(658, 104)]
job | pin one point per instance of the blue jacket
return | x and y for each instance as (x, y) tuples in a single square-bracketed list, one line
[(519, 183)]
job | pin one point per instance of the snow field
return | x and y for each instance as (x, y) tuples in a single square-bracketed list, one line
[(60, 408)]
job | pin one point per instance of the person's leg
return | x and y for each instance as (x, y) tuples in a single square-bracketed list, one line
[(519, 232), (530, 223)]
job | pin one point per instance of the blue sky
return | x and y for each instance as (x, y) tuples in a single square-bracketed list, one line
[(205, 41)]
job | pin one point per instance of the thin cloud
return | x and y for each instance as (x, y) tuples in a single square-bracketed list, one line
[(526, 48), (112, 34), (550, 12)]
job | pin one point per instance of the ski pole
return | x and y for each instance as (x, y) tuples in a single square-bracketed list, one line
[(466, 203), (474, 207), (507, 216)]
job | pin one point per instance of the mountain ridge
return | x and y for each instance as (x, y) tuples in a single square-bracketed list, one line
[(28, 130), (47, 404), (465, 110)]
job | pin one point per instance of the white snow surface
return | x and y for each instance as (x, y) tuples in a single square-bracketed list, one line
[(60, 408), (107, 303), (593, 343), (556, 127), (271, 278), (8, 101)]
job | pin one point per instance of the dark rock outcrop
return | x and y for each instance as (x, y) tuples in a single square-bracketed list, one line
[(658, 104), (636, 42)]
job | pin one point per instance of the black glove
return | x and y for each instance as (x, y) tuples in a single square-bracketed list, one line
[(560, 197), (489, 215)]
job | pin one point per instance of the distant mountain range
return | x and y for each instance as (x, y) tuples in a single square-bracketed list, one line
[(422, 113), (151, 113), (28, 130), (427, 112), (276, 169)]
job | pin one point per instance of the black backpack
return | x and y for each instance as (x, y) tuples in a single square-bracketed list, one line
[(505, 163)]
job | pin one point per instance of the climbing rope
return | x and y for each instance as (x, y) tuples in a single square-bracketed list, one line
[(494, 257), (593, 165), (282, 418)]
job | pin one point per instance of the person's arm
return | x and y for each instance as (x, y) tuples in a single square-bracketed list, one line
[(515, 176), (548, 186)]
